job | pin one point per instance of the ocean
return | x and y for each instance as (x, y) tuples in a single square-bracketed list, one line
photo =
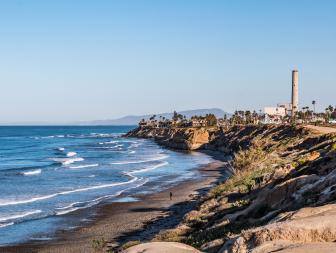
[(49, 172)]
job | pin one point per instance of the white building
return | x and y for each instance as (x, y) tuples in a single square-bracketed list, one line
[(275, 111)]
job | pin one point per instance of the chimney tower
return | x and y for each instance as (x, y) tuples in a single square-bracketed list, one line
[(295, 92)]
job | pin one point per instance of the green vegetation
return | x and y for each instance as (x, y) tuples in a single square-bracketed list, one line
[(211, 119), (243, 181), (240, 203), (248, 172), (130, 244), (177, 116), (244, 158), (262, 156), (333, 147), (99, 245)]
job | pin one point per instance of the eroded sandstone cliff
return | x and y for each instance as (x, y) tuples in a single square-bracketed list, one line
[(280, 198)]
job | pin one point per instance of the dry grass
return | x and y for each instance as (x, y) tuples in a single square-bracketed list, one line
[(130, 244)]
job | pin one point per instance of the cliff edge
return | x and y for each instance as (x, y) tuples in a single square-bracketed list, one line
[(281, 197)]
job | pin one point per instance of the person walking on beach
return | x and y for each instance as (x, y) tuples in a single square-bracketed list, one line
[(171, 195)]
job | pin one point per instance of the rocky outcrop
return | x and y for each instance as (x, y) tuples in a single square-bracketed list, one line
[(176, 138), (288, 231), (280, 198)]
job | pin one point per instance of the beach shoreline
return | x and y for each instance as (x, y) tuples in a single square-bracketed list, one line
[(119, 222)]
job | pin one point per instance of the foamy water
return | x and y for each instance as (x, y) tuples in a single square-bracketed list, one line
[(49, 172)]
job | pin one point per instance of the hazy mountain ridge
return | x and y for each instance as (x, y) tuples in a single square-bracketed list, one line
[(134, 119)]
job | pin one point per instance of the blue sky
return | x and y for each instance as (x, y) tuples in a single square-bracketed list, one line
[(70, 60)]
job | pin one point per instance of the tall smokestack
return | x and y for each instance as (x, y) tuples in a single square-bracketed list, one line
[(295, 92)]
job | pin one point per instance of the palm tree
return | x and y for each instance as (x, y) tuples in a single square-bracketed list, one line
[(305, 111), (328, 112), (330, 108)]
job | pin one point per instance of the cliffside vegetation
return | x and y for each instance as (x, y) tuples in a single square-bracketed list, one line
[(280, 196)]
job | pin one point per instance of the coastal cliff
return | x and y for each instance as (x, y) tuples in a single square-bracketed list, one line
[(177, 138), (280, 198)]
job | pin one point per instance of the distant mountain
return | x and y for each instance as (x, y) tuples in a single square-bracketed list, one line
[(133, 120)]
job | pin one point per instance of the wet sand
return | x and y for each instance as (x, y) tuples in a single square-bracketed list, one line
[(118, 223)]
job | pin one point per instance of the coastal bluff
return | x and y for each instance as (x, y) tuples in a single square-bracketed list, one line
[(280, 198), (176, 138)]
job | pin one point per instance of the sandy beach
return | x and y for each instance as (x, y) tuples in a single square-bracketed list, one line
[(118, 223)]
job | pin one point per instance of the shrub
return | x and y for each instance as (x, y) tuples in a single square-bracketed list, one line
[(240, 203), (130, 244), (99, 244), (244, 158), (333, 147)]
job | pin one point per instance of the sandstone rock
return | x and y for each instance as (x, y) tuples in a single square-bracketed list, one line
[(164, 247), (307, 225), (213, 246)]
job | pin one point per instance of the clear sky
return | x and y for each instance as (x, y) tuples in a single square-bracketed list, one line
[(70, 60)]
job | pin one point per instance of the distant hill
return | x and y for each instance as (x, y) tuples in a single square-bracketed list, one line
[(133, 120)]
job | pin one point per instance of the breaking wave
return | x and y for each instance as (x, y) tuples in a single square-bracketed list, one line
[(18, 216), (84, 166), (142, 161), (71, 154), (67, 161), (149, 168), (6, 224), (32, 172), (86, 204), (34, 199)]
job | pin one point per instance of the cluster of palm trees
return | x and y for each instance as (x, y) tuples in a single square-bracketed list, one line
[(304, 115), (244, 117), (308, 115), (252, 117)]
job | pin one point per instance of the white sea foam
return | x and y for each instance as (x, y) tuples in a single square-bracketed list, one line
[(81, 205), (6, 224), (108, 142), (49, 137), (135, 145), (67, 211), (84, 166), (162, 157), (39, 198), (67, 161), (60, 149), (149, 168), (18, 215), (41, 238), (71, 154), (32, 172), (100, 135)]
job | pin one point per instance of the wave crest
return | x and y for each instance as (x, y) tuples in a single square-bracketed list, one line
[(84, 166), (141, 161), (71, 154), (149, 168), (32, 172), (67, 161), (34, 199), (18, 215)]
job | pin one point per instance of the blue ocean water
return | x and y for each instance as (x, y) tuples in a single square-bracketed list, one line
[(47, 173)]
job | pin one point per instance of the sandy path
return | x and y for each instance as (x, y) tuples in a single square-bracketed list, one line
[(322, 130)]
